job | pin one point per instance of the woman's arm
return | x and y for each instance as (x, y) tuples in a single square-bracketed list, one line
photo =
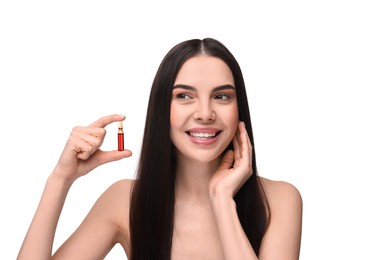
[(39, 239), (80, 155), (234, 241), (222, 188), (282, 239), (105, 225)]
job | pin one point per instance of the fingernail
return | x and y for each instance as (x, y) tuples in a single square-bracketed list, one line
[(243, 124)]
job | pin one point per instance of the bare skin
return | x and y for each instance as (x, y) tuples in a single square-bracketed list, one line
[(196, 233), (206, 223)]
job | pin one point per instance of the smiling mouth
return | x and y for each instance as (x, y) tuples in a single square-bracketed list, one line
[(203, 136)]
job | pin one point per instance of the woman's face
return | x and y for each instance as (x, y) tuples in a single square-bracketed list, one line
[(204, 110)]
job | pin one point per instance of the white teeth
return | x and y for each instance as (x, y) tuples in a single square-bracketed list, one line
[(202, 135)]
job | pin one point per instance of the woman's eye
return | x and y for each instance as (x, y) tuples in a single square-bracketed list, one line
[(223, 97), (183, 96)]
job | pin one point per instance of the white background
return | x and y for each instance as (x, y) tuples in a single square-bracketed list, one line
[(308, 66)]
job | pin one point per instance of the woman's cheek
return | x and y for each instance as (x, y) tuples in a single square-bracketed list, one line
[(231, 116), (173, 113), (178, 115)]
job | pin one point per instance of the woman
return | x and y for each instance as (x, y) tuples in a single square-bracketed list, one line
[(197, 194)]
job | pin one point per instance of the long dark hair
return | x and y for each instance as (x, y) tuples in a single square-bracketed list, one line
[(153, 194)]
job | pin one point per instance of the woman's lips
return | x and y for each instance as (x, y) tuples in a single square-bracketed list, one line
[(203, 136)]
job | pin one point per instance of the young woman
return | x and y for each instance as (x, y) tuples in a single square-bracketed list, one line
[(197, 194)]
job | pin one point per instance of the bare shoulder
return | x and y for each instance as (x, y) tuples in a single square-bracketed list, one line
[(116, 200), (284, 230), (117, 197), (121, 188), (280, 192)]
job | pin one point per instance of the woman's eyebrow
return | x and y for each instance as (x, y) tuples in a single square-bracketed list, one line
[(187, 87), (219, 88), (223, 87)]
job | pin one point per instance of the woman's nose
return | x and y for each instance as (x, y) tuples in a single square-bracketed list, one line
[(204, 113)]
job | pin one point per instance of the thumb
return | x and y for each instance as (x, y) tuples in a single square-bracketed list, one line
[(227, 160)]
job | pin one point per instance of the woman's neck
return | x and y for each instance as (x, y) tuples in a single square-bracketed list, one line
[(192, 178)]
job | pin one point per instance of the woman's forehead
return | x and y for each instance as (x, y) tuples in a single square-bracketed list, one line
[(204, 70)]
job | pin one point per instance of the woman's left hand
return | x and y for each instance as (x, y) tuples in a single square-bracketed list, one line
[(235, 168)]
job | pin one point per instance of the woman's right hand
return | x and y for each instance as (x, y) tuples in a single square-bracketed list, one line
[(82, 151)]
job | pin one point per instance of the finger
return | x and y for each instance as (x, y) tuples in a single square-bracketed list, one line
[(237, 153), (102, 157), (238, 149), (227, 160), (106, 120), (243, 136), (94, 131), (93, 138), (82, 149), (246, 144)]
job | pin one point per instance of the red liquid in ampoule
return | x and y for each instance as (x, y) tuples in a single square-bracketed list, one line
[(121, 145)]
